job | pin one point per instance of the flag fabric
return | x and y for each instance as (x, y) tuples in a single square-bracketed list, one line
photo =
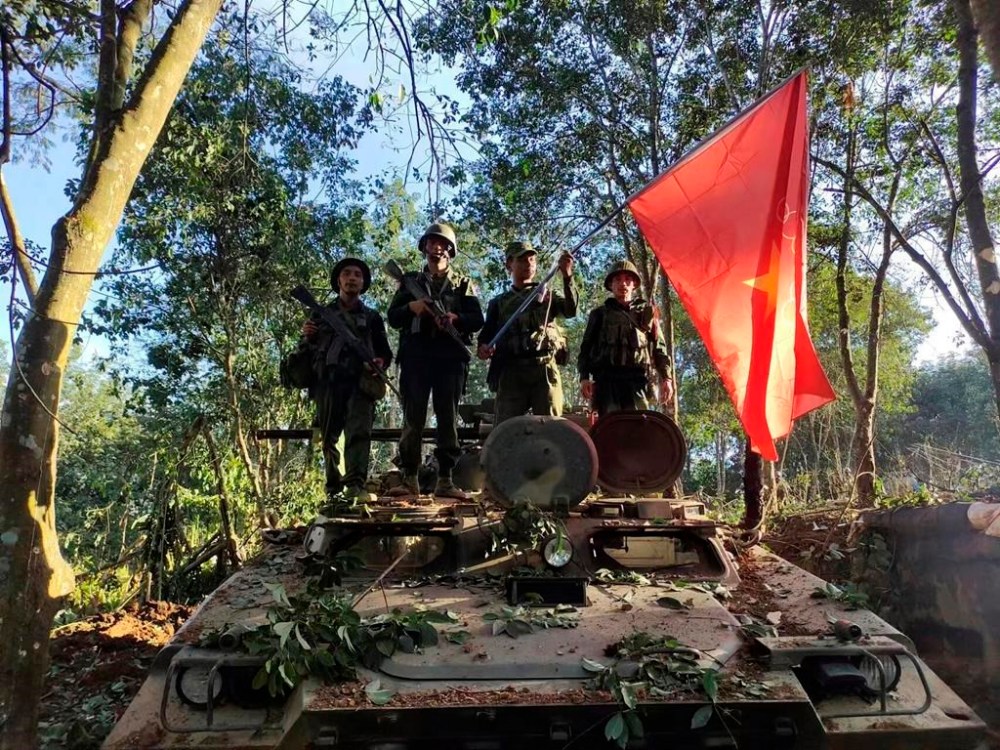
[(728, 226)]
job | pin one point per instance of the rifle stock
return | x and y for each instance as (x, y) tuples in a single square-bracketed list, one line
[(417, 292), (303, 295)]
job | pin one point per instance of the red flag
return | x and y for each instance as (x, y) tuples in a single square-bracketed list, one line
[(728, 225)]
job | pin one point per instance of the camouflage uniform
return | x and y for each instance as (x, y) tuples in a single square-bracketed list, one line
[(622, 348), (341, 406), (432, 366), (523, 370)]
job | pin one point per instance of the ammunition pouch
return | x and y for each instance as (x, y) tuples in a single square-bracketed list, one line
[(372, 386), (296, 370)]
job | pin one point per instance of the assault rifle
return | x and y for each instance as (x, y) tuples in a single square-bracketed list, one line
[(418, 292), (344, 331)]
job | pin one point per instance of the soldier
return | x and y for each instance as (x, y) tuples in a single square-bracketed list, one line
[(523, 369), (623, 348), (432, 364), (345, 389)]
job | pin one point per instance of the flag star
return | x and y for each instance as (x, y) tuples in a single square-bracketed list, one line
[(767, 282)]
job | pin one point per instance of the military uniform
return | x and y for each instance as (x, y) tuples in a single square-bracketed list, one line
[(343, 405), (622, 346), (523, 369), (433, 366)]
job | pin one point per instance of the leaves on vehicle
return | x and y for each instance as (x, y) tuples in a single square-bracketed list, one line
[(616, 730), (518, 621), (319, 633), (592, 666), (671, 602), (458, 637), (378, 694), (701, 717)]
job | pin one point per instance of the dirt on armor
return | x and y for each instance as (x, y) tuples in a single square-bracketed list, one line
[(97, 665)]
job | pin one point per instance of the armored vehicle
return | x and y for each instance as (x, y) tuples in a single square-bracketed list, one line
[(542, 615)]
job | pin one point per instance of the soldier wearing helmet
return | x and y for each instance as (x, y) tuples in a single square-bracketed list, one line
[(342, 386), (432, 364), (524, 370), (623, 354)]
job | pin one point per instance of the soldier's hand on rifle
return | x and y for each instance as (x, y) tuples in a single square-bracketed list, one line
[(419, 307), (445, 320), (378, 362), (485, 351), (666, 391), (587, 390), (309, 328), (566, 265)]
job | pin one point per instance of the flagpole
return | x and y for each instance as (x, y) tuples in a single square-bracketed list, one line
[(632, 196)]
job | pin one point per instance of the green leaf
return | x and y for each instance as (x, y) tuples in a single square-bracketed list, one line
[(592, 666), (377, 694), (278, 594), (710, 683), (259, 679), (283, 630), (701, 717), (671, 602), (634, 724), (517, 628), (434, 616), (302, 641), (459, 637), (615, 729), (428, 634)]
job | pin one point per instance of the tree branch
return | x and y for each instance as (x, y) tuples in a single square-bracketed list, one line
[(969, 319), (133, 16)]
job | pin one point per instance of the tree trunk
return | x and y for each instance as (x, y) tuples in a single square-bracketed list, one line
[(753, 486), (971, 182), (864, 454), (33, 575), (987, 15)]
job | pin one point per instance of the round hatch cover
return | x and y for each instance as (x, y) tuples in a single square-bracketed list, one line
[(639, 451), (548, 461)]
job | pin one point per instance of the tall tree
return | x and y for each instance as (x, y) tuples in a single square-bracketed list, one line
[(128, 114), (124, 115), (225, 212)]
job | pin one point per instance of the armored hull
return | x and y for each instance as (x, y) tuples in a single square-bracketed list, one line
[(627, 611)]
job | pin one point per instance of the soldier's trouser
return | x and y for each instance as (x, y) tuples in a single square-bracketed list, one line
[(621, 392), (442, 381), (529, 384), (342, 408)]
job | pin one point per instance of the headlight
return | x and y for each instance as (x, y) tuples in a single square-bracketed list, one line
[(557, 552), (193, 689), (890, 664)]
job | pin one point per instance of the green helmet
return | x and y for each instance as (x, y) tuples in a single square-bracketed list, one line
[(445, 232), (622, 266)]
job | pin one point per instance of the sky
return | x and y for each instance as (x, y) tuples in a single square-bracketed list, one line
[(39, 198)]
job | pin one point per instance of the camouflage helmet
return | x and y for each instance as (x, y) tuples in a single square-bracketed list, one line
[(366, 273), (445, 232), (622, 266)]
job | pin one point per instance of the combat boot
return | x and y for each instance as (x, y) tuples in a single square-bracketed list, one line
[(407, 488), (447, 489)]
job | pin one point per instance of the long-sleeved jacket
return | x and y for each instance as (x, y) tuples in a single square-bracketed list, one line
[(420, 337), (334, 357), (622, 339), (526, 336)]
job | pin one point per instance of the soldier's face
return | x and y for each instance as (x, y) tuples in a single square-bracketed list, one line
[(623, 286), (522, 270), (351, 280), (436, 252)]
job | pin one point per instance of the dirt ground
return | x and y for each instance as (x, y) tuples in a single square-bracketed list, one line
[(97, 667)]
